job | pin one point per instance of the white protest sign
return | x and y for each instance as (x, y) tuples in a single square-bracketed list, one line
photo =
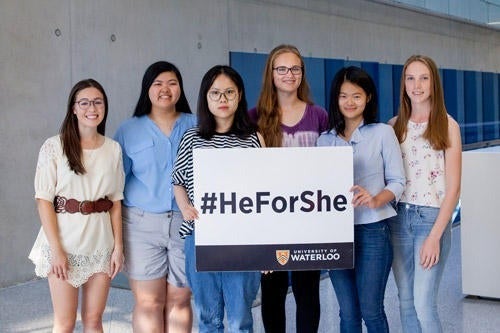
[(273, 208)]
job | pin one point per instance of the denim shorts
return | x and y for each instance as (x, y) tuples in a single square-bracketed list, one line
[(152, 245)]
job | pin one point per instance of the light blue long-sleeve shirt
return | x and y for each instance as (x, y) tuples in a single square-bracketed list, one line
[(378, 165), (148, 160)]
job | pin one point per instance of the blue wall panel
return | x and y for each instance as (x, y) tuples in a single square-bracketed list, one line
[(452, 99), (497, 103), (453, 86), (315, 74), (250, 66), (473, 105), (490, 110), (372, 69), (348, 63), (488, 118), (472, 98), (387, 109), (332, 66), (397, 71)]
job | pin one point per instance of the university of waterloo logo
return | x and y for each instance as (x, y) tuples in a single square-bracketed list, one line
[(282, 256)]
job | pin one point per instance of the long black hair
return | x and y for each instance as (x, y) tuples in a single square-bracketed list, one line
[(242, 125), (143, 106), (359, 77)]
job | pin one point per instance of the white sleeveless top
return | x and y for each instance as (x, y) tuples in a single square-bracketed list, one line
[(424, 168)]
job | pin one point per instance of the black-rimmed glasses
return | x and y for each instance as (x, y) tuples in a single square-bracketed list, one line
[(85, 103), (283, 70), (229, 94)]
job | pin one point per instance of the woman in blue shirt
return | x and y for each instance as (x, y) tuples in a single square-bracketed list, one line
[(154, 251), (378, 179)]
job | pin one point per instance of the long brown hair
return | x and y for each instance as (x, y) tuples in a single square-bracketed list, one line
[(267, 106), (69, 133), (437, 126)]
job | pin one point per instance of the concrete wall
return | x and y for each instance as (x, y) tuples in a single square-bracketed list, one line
[(45, 47)]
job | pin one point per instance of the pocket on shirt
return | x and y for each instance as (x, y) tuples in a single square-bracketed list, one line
[(141, 154)]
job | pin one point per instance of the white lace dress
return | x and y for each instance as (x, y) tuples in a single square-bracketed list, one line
[(87, 239)]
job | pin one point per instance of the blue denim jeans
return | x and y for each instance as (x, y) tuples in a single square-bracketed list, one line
[(214, 291), (417, 287), (360, 291)]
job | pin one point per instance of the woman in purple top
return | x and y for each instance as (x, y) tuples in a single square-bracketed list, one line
[(287, 118)]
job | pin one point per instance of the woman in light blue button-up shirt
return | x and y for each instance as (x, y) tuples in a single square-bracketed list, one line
[(154, 251), (378, 179)]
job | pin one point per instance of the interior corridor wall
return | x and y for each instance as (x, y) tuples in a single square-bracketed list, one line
[(47, 46)]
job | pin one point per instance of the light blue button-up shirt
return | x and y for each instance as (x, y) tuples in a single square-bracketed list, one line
[(148, 159), (378, 165)]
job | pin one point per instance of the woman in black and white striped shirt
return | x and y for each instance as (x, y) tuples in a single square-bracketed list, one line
[(222, 123)]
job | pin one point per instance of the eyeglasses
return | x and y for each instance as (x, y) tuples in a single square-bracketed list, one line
[(229, 94), (85, 103), (283, 70)]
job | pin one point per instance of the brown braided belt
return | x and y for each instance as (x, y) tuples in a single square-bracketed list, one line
[(85, 207)]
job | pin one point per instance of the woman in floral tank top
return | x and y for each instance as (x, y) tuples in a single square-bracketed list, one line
[(432, 156)]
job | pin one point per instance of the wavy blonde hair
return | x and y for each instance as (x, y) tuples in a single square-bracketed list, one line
[(437, 127), (267, 106)]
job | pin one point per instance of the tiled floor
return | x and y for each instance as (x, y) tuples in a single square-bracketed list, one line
[(26, 307)]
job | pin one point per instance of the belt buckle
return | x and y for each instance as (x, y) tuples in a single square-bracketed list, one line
[(82, 207), (60, 204)]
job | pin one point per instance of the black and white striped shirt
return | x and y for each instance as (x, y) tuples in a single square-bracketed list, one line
[(182, 173)]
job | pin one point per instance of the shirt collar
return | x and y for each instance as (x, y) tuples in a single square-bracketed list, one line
[(356, 136)]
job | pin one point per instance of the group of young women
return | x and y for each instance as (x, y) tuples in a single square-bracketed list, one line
[(406, 186)]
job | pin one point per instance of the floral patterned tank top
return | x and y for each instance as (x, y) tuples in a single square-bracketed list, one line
[(424, 169)]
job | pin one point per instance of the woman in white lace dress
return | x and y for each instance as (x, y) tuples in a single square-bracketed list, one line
[(78, 187)]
